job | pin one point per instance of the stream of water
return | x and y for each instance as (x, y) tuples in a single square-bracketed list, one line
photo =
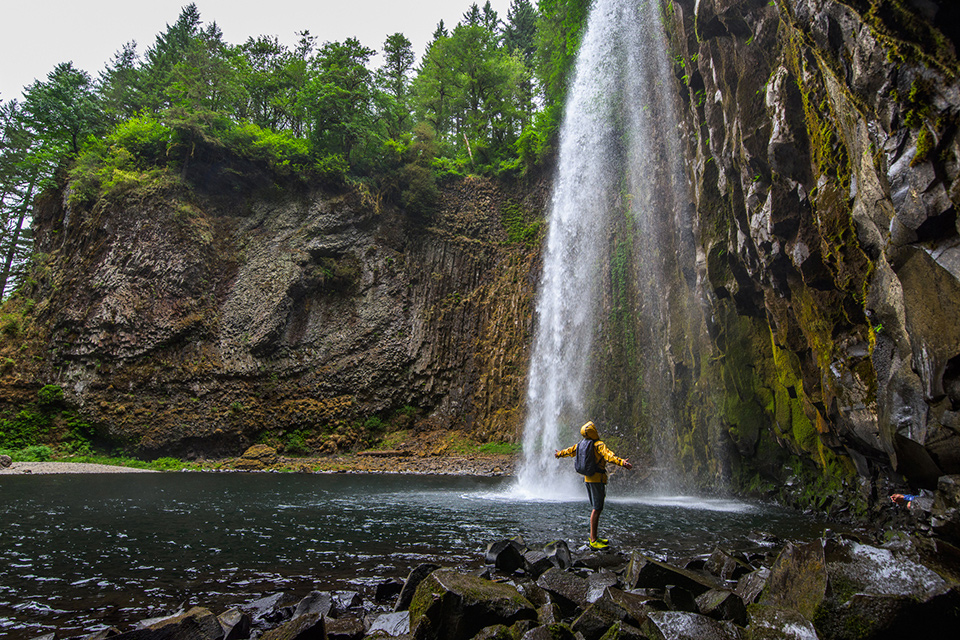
[(80, 552)]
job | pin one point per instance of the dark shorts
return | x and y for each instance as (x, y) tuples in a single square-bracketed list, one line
[(597, 491)]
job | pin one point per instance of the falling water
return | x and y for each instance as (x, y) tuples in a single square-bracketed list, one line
[(619, 190)]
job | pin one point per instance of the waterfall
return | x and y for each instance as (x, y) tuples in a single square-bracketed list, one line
[(619, 203)]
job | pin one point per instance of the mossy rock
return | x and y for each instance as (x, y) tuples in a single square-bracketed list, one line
[(449, 605)]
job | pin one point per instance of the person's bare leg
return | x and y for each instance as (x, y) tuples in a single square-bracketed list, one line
[(594, 524)]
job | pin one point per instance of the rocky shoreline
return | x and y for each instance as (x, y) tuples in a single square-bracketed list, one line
[(833, 587)]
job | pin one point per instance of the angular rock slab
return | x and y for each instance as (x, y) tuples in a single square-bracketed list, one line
[(391, 624), (311, 626), (196, 624), (773, 623), (449, 605), (676, 625)]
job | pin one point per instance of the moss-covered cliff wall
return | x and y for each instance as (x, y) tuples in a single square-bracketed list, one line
[(823, 152), (186, 324)]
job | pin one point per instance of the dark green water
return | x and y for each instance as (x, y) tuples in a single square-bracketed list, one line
[(80, 552)]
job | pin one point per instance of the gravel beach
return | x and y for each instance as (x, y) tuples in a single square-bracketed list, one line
[(19, 468)]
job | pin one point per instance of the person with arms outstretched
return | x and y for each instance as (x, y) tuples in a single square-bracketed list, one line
[(592, 457)]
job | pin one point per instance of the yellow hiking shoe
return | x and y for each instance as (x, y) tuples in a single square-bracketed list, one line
[(598, 544)]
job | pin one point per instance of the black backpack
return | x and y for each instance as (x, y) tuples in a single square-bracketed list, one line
[(585, 459)]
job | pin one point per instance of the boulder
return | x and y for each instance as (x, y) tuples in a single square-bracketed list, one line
[(568, 590), (798, 579), (235, 624), (594, 622), (679, 599), (315, 602), (345, 627), (391, 624), (632, 608), (196, 624), (5, 461), (414, 578), (344, 601), (774, 623), (259, 456), (644, 572), (727, 566), (559, 554), (945, 515), (311, 626), (449, 605), (388, 590), (723, 604), (676, 625), (623, 631), (556, 631), (751, 585), (265, 608), (505, 555), (535, 563), (495, 632)]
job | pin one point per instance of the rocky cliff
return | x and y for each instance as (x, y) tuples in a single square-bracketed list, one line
[(824, 156), (190, 324)]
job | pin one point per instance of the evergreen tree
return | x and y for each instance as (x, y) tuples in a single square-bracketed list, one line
[(120, 87), (65, 109), (394, 79)]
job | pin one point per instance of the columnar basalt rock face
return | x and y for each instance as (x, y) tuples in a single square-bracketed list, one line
[(823, 146), (199, 327)]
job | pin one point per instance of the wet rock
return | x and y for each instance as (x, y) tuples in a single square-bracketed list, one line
[(774, 623), (751, 585), (315, 602), (236, 624), (568, 590), (505, 555), (265, 610), (675, 625), (5, 461), (311, 626), (535, 563), (722, 604), (559, 554), (679, 599), (388, 590), (946, 508), (596, 560), (550, 632), (495, 632), (345, 627), (632, 608), (798, 579), (623, 631), (197, 623), (449, 605), (597, 584), (726, 566), (344, 601), (391, 624), (594, 622), (644, 572), (414, 578), (549, 614)]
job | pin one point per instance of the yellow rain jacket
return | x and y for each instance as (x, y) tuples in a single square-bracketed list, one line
[(604, 455)]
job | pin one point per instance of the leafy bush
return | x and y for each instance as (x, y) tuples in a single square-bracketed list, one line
[(11, 325), (280, 150), (296, 443), (374, 423), (35, 453)]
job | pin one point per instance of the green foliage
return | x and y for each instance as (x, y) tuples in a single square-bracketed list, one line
[(519, 230), (296, 443), (500, 448), (374, 423), (50, 394), (34, 453), (11, 325)]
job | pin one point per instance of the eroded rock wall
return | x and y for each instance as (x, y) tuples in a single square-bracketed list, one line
[(823, 145), (185, 325)]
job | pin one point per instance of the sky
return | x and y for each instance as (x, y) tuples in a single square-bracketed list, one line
[(36, 35)]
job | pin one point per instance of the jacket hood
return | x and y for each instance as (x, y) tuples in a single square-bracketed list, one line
[(589, 431)]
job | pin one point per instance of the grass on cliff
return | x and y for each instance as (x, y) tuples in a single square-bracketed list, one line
[(44, 453)]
